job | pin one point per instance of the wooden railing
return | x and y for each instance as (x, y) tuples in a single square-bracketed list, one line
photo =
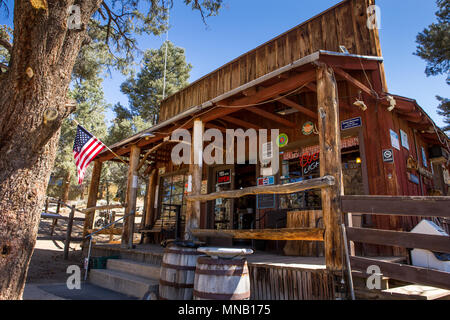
[(47, 214), (307, 234), (402, 206)]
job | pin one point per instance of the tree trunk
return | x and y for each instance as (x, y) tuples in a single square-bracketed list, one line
[(66, 187), (32, 104)]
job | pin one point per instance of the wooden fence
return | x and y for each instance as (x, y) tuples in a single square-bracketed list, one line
[(427, 207), (55, 216)]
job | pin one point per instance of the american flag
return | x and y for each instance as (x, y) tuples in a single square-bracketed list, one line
[(85, 148)]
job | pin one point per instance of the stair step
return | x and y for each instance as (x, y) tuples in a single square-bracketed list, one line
[(140, 269), (128, 284), (410, 292)]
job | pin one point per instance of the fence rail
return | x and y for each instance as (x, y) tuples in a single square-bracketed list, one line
[(401, 206)]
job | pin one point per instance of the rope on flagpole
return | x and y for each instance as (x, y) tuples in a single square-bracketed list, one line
[(115, 154)]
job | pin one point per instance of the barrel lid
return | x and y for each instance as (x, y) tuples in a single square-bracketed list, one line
[(225, 253)]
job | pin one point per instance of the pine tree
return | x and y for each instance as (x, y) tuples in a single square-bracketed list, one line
[(145, 91), (434, 47)]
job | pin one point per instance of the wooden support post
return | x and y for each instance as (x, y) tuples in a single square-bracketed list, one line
[(69, 233), (132, 186), (55, 221), (150, 203), (195, 169), (92, 199), (330, 164)]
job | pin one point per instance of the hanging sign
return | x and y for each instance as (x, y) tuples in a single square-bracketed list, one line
[(388, 156), (223, 177), (395, 142), (351, 123), (308, 128), (404, 138), (282, 140)]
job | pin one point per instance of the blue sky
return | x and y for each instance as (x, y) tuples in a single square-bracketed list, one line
[(244, 24)]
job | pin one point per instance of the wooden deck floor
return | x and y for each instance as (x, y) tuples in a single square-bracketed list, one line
[(259, 258)]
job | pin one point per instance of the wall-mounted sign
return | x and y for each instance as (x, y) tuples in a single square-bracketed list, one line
[(282, 140), (351, 123), (404, 138), (395, 142), (424, 158), (223, 177), (204, 189), (388, 156), (162, 170), (267, 151), (308, 128), (266, 181), (413, 178), (412, 164), (345, 143)]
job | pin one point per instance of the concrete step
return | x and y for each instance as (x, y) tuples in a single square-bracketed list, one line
[(128, 284), (140, 269)]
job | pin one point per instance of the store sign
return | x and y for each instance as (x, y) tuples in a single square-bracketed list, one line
[(345, 143), (224, 177), (413, 178), (404, 138), (282, 140), (388, 156), (267, 181), (351, 123), (395, 142), (308, 128)]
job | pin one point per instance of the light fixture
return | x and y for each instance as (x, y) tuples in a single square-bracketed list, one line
[(147, 135), (392, 103), (360, 104), (285, 112), (358, 160)]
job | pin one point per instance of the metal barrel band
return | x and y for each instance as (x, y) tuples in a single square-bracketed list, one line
[(210, 261), (173, 266), (222, 296), (224, 273), (185, 253), (176, 285)]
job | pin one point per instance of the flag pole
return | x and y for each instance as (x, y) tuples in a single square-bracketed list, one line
[(115, 154)]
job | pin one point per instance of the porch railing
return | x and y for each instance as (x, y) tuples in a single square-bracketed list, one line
[(426, 207)]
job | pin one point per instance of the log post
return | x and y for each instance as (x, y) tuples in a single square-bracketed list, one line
[(193, 208), (330, 164), (69, 233), (92, 198), (150, 202), (132, 186)]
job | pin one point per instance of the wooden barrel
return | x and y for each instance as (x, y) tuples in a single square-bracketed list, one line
[(176, 280), (220, 279)]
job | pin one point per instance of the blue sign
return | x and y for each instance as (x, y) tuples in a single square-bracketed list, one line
[(351, 123), (413, 178)]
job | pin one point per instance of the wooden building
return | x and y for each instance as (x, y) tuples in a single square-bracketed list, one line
[(322, 84)]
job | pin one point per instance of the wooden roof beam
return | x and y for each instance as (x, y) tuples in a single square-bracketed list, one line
[(242, 123), (271, 116), (358, 84), (298, 107), (262, 95)]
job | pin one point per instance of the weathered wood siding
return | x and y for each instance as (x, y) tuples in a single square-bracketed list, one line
[(344, 24), (284, 283)]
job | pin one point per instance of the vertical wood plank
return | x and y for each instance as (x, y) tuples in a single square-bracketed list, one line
[(132, 186)]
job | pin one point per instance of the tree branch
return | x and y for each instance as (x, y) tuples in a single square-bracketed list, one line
[(5, 43)]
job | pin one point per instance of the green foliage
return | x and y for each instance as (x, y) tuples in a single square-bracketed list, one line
[(90, 113), (5, 35), (434, 48), (145, 91), (444, 110)]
